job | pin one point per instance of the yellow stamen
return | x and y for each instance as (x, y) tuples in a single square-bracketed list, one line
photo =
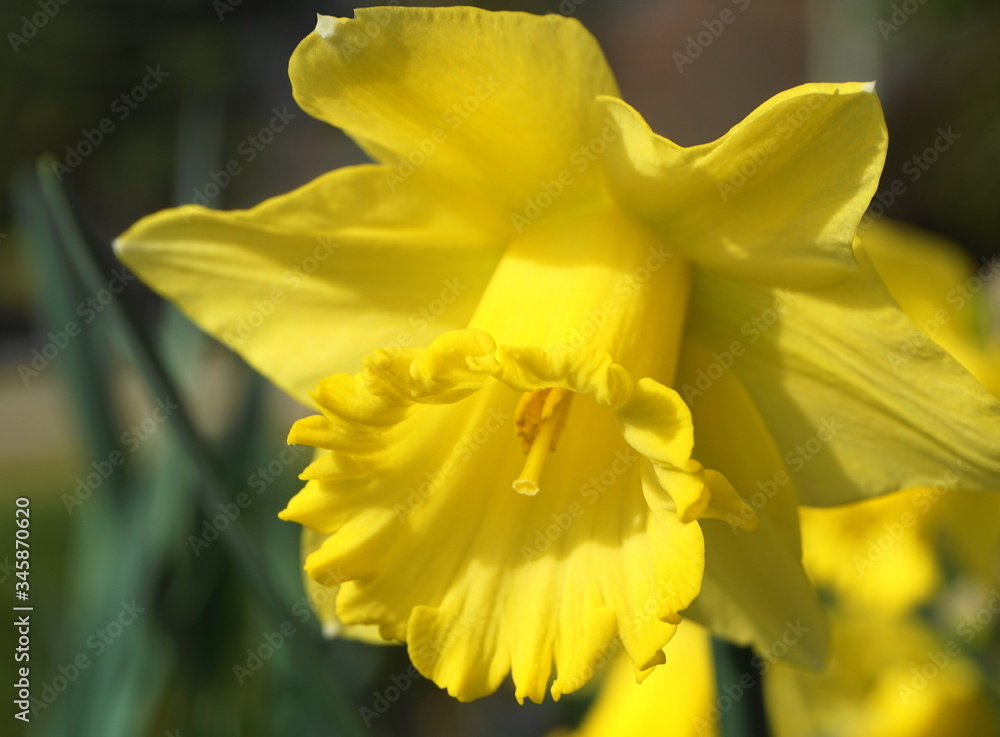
[(540, 418)]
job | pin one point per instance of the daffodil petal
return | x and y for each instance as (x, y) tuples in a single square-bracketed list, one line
[(776, 199), (305, 284), (942, 290), (322, 598), (755, 590), (859, 401), (497, 101), (678, 699), (437, 548)]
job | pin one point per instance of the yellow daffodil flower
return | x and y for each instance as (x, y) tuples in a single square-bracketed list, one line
[(516, 323)]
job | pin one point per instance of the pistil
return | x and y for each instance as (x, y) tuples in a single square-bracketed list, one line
[(540, 419)]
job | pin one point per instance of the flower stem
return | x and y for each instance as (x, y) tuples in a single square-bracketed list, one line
[(740, 693)]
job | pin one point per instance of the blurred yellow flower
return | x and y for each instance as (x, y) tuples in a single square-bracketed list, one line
[(888, 677), (875, 554), (551, 298), (945, 292), (890, 673)]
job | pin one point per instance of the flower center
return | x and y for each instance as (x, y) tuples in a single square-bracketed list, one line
[(539, 421)]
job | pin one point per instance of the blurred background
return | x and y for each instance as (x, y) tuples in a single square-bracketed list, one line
[(152, 614)]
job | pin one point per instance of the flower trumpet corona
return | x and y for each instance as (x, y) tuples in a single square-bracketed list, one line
[(514, 322)]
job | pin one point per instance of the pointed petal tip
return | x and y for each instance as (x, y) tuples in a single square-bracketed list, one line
[(327, 25), (869, 87)]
